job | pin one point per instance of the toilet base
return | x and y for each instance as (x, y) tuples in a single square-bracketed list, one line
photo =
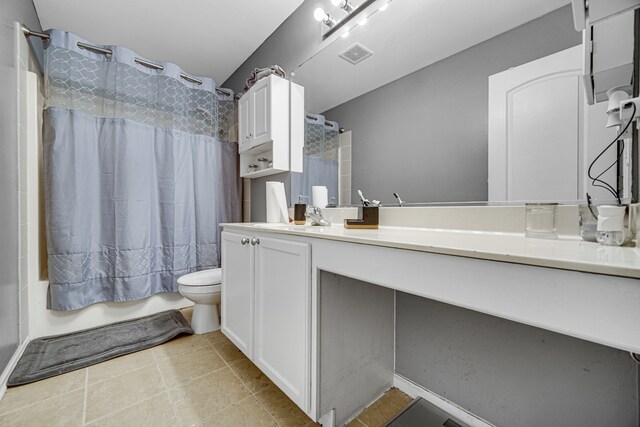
[(205, 318)]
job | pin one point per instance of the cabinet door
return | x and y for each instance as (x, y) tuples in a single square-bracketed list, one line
[(261, 129), (237, 290), (244, 131), (282, 316)]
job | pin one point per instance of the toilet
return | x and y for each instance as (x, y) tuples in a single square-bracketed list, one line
[(203, 288)]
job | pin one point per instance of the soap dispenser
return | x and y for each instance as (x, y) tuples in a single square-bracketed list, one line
[(299, 210)]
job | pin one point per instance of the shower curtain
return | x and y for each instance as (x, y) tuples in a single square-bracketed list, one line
[(140, 167), (320, 159)]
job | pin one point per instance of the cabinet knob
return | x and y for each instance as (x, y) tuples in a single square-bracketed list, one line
[(250, 134), (247, 137), (244, 241), (255, 241)]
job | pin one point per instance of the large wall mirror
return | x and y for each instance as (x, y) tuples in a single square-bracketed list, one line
[(457, 102)]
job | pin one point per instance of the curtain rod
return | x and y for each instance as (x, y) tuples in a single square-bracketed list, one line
[(29, 33)]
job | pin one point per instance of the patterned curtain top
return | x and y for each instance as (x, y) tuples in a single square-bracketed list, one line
[(119, 85)]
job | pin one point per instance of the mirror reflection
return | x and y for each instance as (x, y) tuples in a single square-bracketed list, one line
[(456, 102)]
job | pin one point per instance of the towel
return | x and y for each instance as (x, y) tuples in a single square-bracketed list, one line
[(260, 73)]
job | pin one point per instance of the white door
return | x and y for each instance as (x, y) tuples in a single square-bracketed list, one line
[(261, 131), (536, 122), (237, 290), (283, 281), (244, 123)]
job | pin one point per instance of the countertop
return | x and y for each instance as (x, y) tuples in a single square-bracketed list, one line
[(566, 253)]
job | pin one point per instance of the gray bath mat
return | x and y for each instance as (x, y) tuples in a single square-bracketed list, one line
[(50, 356)]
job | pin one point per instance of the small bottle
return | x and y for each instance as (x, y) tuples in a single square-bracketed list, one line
[(299, 210), (611, 229)]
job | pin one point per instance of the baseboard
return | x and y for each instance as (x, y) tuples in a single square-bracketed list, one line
[(11, 365), (415, 390)]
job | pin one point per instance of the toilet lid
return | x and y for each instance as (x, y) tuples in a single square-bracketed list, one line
[(211, 276)]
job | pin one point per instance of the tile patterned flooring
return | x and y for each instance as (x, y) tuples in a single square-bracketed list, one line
[(197, 380)]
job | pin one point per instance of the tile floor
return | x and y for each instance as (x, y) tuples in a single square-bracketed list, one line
[(197, 380)]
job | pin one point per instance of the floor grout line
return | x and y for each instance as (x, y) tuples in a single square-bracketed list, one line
[(125, 407), (166, 388), (242, 382), (86, 394), (252, 393), (226, 365), (39, 401)]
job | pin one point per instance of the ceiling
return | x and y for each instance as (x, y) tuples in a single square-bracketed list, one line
[(408, 36), (209, 38)]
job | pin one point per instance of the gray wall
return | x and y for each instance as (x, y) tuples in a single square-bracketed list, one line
[(356, 343), (405, 128), (289, 45), (10, 12), (512, 374), (293, 42)]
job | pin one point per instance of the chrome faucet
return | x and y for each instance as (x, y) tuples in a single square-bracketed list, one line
[(314, 214), (400, 202)]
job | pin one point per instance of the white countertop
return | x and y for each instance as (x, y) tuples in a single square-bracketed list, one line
[(563, 253)]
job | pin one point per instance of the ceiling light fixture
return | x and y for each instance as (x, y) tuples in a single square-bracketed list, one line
[(363, 21), (321, 16), (384, 6), (344, 5)]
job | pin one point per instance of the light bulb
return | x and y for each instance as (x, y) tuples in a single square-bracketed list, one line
[(336, 2), (319, 15), (384, 7), (363, 21), (345, 34)]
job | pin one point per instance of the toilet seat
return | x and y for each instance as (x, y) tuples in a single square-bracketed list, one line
[(200, 289), (211, 276)]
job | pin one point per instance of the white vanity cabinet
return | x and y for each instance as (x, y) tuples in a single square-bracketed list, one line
[(271, 126), (237, 290), (266, 307)]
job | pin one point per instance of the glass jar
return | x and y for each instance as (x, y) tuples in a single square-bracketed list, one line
[(263, 163), (588, 222), (611, 229), (613, 238), (540, 220)]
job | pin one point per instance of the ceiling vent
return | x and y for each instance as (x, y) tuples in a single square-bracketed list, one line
[(356, 53)]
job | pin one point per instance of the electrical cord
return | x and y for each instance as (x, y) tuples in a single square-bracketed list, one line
[(596, 181), (615, 162)]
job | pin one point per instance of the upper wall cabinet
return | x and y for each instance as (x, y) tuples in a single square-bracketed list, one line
[(609, 36), (597, 10), (271, 127)]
